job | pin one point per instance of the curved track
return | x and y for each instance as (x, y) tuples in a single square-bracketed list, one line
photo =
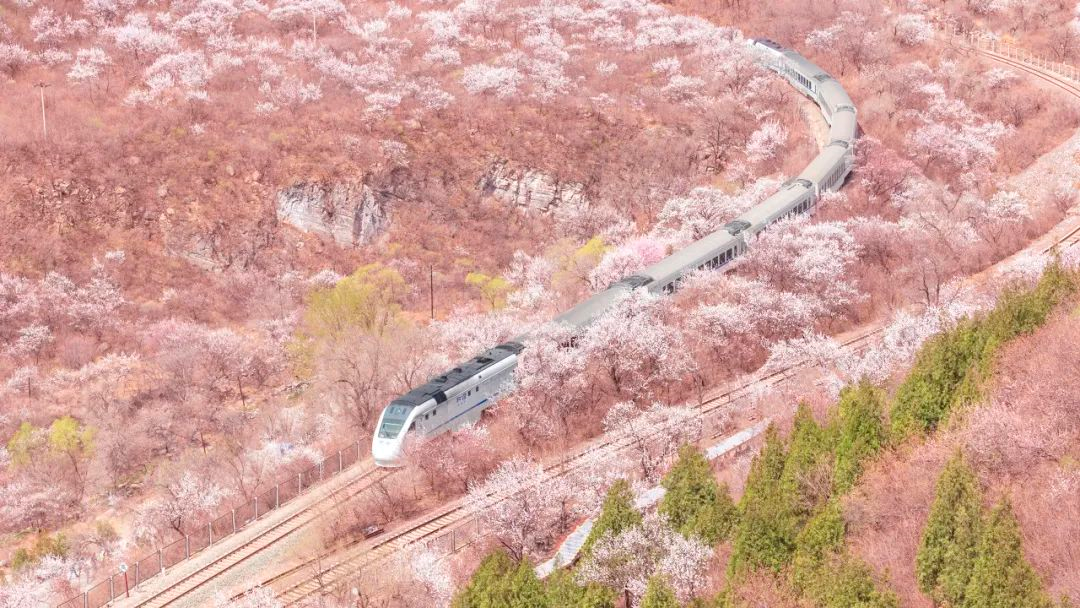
[(312, 576), (283, 525), (298, 583), (295, 586), (331, 570), (1067, 85)]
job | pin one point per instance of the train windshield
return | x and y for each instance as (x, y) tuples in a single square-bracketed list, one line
[(393, 420)]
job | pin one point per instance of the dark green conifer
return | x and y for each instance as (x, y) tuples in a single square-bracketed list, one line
[(947, 551), (564, 592), (765, 536), (694, 503), (500, 582), (617, 514), (860, 430), (807, 477), (822, 536), (659, 595), (1001, 577)]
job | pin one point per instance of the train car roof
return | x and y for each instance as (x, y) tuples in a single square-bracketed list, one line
[(833, 93), (844, 127), (807, 68), (765, 211), (823, 164), (434, 388), (583, 314), (691, 255)]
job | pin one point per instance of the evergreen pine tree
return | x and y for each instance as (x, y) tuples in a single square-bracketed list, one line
[(563, 591), (499, 582), (860, 429), (617, 514), (1002, 578), (694, 503), (806, 477), (659, 595), (947, 551), (822, 536), (925, 398), (848, 582), (717, 521), (526, 590), (768, 524)]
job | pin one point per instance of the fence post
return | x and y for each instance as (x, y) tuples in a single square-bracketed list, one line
[(357, 450), (136, 574), (85, 600), (160, 563), (234, 521), (187, 546), (339, 461), (277, 500), (320, 469), (256, 507), (210, 528), (299, 484), (453, 540)]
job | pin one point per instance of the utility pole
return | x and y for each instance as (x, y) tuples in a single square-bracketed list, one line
[(44, 127)]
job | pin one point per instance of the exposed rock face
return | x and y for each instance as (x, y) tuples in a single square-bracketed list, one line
[(529, 188), (351, 214)]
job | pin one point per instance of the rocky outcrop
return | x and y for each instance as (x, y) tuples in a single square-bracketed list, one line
[(351, 214), (529, 188)]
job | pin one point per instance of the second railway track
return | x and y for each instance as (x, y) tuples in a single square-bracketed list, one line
[(356, 557), (331, 569)]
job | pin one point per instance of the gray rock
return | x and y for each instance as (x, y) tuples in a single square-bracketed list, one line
[(529, 188), (351, 214)]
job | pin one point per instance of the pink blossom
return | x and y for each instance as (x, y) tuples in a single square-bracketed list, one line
[(503, 82)]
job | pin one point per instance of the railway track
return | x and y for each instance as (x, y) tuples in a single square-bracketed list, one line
[(328, 570), (357, 558), (1063, 83), (1052, 78), (1065, 241), (263, 540)]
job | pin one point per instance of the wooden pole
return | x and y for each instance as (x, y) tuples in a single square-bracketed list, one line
[(44, 126)]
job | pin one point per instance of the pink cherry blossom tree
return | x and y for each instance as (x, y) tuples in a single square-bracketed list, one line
[(626, 561), (653, 435), (633, 348), (518, 505)]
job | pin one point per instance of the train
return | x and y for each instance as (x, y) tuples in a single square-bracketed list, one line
[(460, 395)]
